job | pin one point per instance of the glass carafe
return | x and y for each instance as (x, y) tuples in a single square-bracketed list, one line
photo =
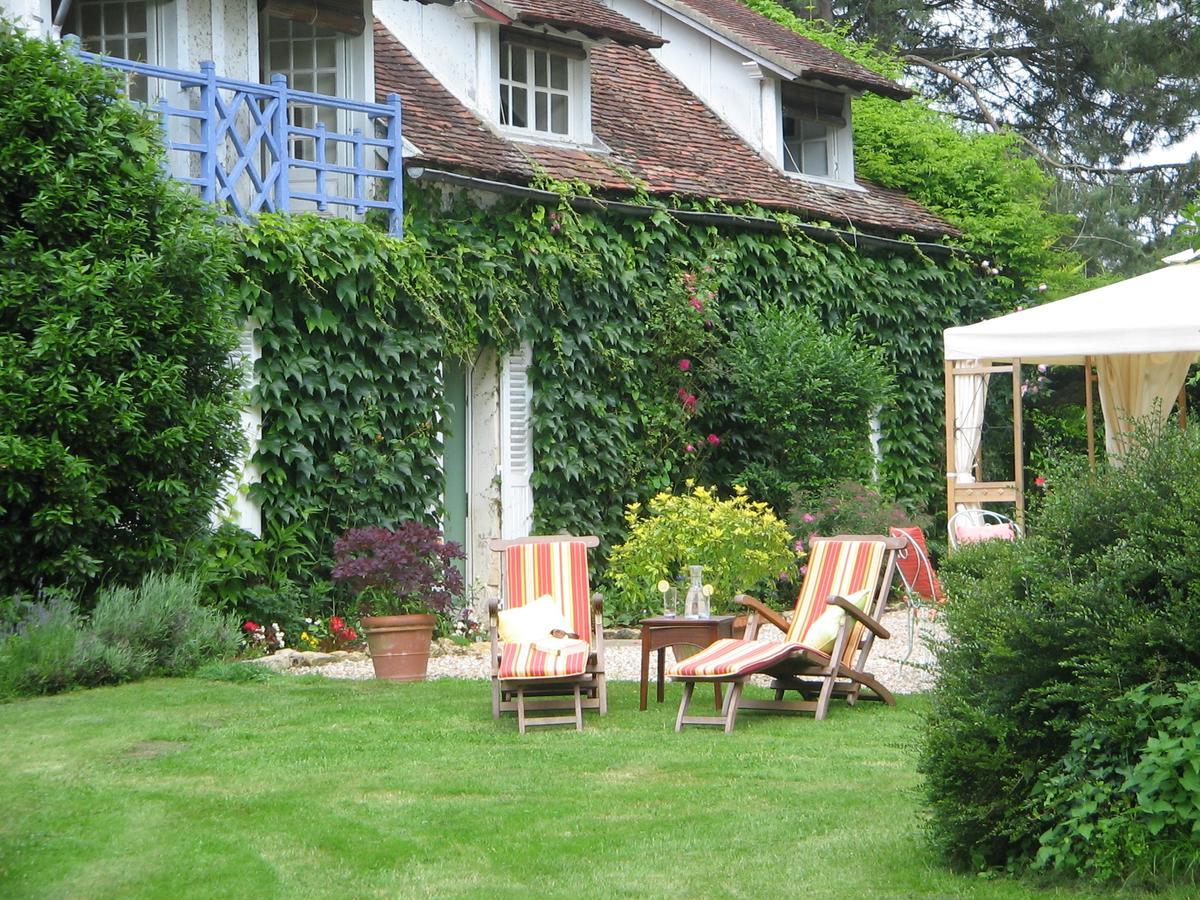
[(695, 606)]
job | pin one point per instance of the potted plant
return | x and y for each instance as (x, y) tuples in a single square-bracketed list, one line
[(402, 579)]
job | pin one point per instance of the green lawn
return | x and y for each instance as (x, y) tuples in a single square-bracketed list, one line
[(312, 788)]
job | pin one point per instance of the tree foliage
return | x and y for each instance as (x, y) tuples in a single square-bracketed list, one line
[(118, 397), (1089, 86)]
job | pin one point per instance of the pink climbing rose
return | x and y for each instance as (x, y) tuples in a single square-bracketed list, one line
[(713, 439), (685, 364)]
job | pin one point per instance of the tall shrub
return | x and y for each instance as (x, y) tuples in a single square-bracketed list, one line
[(1045, 635), (791, 405), (118, 398)]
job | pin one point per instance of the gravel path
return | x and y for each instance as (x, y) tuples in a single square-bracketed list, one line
[(623, 658)]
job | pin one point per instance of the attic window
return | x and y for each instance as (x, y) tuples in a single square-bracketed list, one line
[(812, 118), (539, 83)]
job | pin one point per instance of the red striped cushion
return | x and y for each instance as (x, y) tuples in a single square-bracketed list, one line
[(527, 661), (559, 569), (837, 568), (733, 657)]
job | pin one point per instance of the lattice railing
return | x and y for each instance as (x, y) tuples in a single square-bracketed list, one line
[(251, 147)]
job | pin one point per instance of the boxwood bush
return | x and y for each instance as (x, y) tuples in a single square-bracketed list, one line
[(1035, 744), (118, 398)]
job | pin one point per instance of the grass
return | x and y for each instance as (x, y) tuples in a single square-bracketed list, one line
[(304, 787)]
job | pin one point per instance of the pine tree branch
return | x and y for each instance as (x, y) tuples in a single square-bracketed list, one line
[(989, 118)]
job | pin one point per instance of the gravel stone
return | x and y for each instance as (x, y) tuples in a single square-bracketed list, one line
[(905, 664)]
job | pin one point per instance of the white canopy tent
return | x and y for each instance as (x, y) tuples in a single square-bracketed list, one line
[(1141, 335)]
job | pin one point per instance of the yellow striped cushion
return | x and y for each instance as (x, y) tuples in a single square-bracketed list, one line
[(558, 659), (838, 568), (559, 569), (733, 657)]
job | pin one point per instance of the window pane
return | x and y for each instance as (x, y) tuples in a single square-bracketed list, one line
[(139, 89), (558, 72), (114, 18), (520, 118), (137, 17), (519, 72), (504, 105), (540, 118), (539, 68), (91, 45), (302, 81), (137, 49), (327, 84), (813, 131), (90, 20), (816, 158), (302, 55), (558, 114), (278, 27), (327, 53)]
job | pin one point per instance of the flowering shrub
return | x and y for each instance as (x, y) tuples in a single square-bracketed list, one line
[(327, 635), (397, 572), (741, 543), (262, 639), (848, 508)]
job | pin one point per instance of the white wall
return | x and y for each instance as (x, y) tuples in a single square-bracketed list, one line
[(446, 43)]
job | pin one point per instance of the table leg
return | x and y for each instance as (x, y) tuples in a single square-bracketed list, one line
[(662, 665), (645, 666), (717, 694)]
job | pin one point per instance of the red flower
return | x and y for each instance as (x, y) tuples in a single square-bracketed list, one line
[(713, 439), (336, 624), (684, 365), (1040, 481), (350, 634), (250, 626), (697, 303)]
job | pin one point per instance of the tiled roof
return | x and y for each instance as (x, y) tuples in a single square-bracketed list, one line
[(590, 18), (794, 53), (660, 135)]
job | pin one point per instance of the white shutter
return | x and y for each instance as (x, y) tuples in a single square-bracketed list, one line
[(516, 445)]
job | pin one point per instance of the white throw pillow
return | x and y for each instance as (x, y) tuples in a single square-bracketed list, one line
[(531, 622)]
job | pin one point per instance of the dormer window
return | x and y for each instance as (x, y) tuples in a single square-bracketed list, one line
[(542, 83), (812, 121)]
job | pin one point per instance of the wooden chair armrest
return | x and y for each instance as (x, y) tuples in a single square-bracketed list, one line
[(598, 603), (763, 610), (854, 612), (494, 609)]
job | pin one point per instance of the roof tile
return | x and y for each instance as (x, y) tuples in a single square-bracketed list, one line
[(658, 135)]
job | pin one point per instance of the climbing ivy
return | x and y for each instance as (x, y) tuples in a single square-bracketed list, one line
[(354, 324)]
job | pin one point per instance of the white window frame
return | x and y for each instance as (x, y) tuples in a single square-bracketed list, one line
[(577, 92), (116, 43), (838, 140), (304, 147)]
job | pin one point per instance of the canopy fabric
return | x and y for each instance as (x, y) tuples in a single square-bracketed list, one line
[(1137, 387), (970, 401), (1158, 312)]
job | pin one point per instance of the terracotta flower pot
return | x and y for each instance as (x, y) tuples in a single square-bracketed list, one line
[(399, 645)]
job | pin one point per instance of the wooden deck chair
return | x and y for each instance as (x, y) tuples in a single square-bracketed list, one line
[(560, 673), (922, 590), (970, 526), (840, 570)]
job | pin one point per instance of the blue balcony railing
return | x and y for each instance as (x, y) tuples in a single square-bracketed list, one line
[(252, 147)]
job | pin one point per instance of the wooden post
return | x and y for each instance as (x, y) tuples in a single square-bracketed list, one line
[(1091, 412), (1018, 444), (951, 478)]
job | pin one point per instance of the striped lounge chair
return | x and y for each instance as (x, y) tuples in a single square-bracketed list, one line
[(555, 675), (837, 568)]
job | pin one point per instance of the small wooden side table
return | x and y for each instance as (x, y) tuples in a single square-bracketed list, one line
[(661, 632)]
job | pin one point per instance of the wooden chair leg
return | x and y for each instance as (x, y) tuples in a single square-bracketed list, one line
[(602, 693), (521, 711), (823, 698), (688, 687), (578, 710), (731, 703), (495, 698), (779, 692)]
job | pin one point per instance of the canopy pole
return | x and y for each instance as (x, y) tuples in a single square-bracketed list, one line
[(1091, 414), (1183, 406), (951, 424), (1018, 444)]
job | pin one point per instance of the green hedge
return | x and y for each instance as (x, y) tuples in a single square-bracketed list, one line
[(1046, 636)]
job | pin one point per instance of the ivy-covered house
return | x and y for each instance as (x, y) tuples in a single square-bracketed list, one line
[(703, 104)]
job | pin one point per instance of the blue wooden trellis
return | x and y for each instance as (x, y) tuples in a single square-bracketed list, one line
[(247, 148)]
